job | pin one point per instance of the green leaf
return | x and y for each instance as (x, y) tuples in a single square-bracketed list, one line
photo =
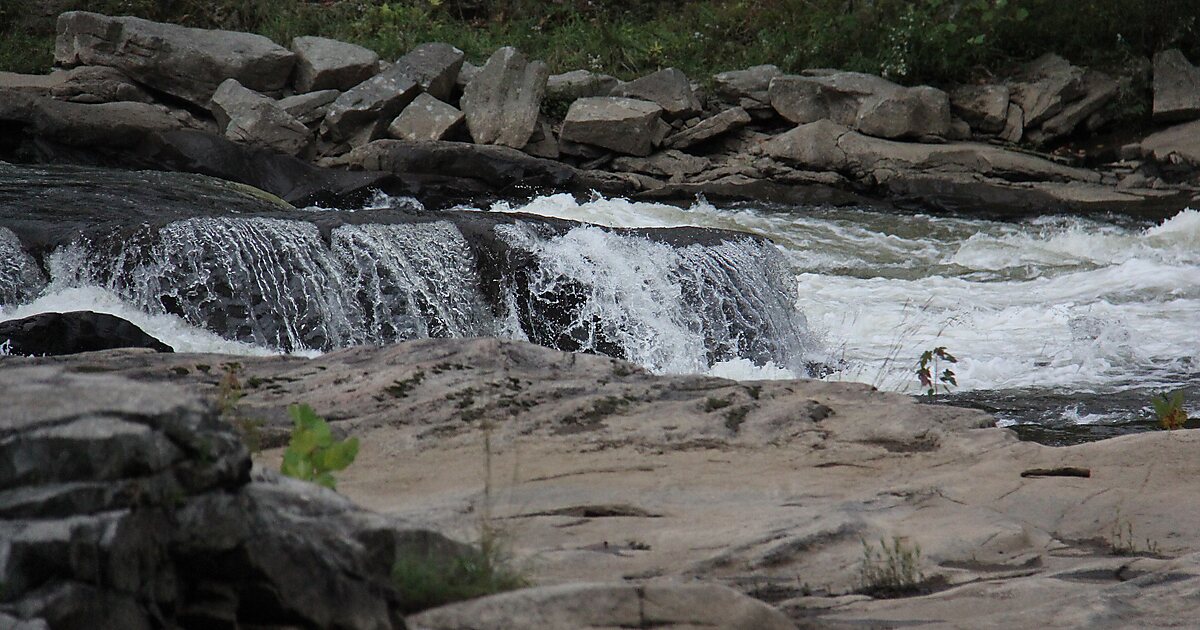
[(1022, 14), (297, 466), (340, 455), (327, 480), (304, 441)]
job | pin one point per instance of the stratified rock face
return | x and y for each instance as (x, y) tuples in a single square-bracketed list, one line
[(668, 87), (426, 118), (501, 103), (185, 62), (364, 111), (575, 84), (328, 64), (624, 125), (1176, 87), (98, 84), (50, 334), (249, 117), (867, 103), (434, 66), (984, 107), (608, 605), (130, 505), (709, 128)]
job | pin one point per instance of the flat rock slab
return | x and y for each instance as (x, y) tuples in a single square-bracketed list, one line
[(709, 128), (624, 125), (185, 62), (363, 112)]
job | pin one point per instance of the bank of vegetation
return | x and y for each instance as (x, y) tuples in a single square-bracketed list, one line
[(932, 41)]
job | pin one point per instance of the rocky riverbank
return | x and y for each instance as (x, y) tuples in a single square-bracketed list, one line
[(633, 499), (321, 119)]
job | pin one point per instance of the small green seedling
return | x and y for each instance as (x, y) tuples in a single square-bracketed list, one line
[(930, 364), (312, 453), (1169, 410)]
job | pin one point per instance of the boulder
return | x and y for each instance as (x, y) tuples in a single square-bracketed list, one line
[(749, 88), (426, 118), (309, 107), (501, 103), (51, 334), (577, 84), (668, 87), (908, 113), (328, 64), (363, 112), (624, 125), (1098, 89), (1044, 87), (670, 164), (1176, 87), (85, 84), (543, 143), (434, 66), (248, 117), (709, 128), (608, 605), (984, 107), (1177, 146), (101, 127), (812, 145), (185, 62), (864, 102)]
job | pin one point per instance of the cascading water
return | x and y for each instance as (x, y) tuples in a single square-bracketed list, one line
[(20, 275)]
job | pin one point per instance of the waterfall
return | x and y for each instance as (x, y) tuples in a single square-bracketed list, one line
[(20, 275)]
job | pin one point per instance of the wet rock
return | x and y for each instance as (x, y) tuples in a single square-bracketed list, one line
[(709, 128), (501, 103), (426, 118), (248, 117), (577, 84), (434, 66), (669, 88), (1176, 87), (363, 112), (624, 125), (310, 107), (329, 64), (185, 62), (868, 103), (50, 334), (1044, 87), (984, 107), (748, 88)]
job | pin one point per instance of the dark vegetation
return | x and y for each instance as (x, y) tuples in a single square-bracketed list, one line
[(934, 41)]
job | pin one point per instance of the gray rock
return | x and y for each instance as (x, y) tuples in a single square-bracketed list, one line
[(984, 107), (328, 64), (668, 87), (99, 84), (364, 111), (1014, 125), (865, 102), (426, 118), (310, 107), (907, 113), (748, 88), (1098, 88), (501, 103), (812, 145), (670, 164), (1178, 145), (434, 66), (248, 117), (1176, 87), (1044, 87), (576, 84), (624, 125), (106, 126), (724, 122), (543, 143), (466, 74), (186, 62)]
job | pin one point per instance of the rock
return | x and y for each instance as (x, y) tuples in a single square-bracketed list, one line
[(543, 143), (1044, 87), (748, 88), (1176, 87), (1014, 126), (709, 128), (468, 73), (984, 107), (608, 605), (909, 113), (102, 127), (426, 118), (310, 107), (813, 145), (1098, 89), (328, 64), (864, 102), (669, 88), (363, 112), (1177, 146), (51, 334), (501, 103), (434, 66), (670, 164), (624, 125), (85, 84), (576, 84), (246, 116), (185, 62)]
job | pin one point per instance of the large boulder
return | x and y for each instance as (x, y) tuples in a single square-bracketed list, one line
[(101, 127), (624, 125), (502, 102), (865, 102), (709, 128), (185, 62), (1177, 146), (363, 112), (434, 66), (84, 84), (576, 84), (50, 334), (426, 118), (1176, 87), (749, 88), (329, 64), (248, 117), (668, 87), (1044, 87), (984, 107), (1098, 89), (908, 113)]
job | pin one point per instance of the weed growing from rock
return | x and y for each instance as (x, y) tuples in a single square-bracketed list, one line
[(930, 365), (229, 395), (890, 571), (1168, 409), (312, 453)]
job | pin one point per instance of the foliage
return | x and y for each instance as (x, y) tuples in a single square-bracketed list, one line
[(1169, 411), (930, 364), (312, 453), (890, 571), (229, 395), (427, 581)]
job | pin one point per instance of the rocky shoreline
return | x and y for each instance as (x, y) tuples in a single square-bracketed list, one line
[(322, 121)]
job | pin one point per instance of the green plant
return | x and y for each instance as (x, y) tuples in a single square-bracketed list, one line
[(930, 364), (890, 571), (427, 581), (312, 453), (1168, 410)]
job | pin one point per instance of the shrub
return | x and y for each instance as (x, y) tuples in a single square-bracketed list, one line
[(928, 366), (312, 453)]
